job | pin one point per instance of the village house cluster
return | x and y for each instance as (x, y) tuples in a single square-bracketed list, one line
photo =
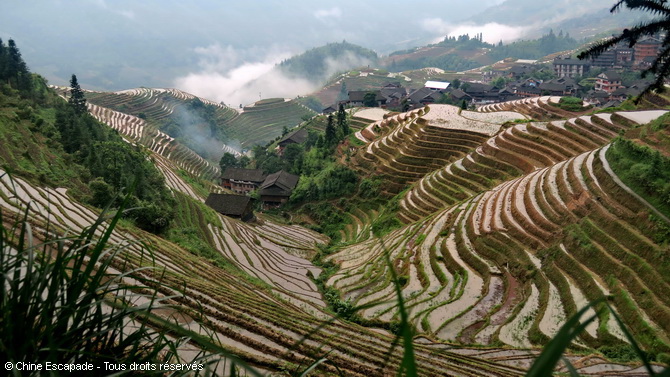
[(273, 190), (520, 79), (505, 82)]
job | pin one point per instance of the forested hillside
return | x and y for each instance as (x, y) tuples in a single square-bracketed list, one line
[(318, 64), (58, 142), (465, 52)]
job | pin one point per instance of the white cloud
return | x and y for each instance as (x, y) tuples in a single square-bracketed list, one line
[(328, 14), (226, 76), (129, 14), (491, 32)]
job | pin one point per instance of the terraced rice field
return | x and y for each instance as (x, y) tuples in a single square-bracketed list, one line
[(410, 145), (510, 236), (265, 120), (540, 108), (261, 323), (138, 131), (505, 261), (255, 124), (156, 104)]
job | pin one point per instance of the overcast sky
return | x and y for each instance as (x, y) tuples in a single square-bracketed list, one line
[(118, 44)]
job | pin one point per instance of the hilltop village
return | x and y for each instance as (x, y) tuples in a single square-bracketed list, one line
[(603, 82), (600, 83)]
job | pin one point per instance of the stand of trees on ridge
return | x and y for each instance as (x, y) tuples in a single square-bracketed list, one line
[(103, 163), (452, 61)]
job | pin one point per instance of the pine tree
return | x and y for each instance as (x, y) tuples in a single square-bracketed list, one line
[(3, 61), (344, 93), (660, 67), (331, 132), (342, 122), (14, 70), (77, 99)]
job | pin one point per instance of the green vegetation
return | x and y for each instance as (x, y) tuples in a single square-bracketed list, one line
[(447, 62), (536, 48), (454, 58), (228, 160), (14, 72), (65, 134), (572, 104), (60, 304), (313, 64), (643, 169)]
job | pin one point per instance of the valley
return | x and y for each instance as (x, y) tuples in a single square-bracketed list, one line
[(405, 229)]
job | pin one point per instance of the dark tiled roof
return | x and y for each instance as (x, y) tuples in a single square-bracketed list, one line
[(240, 174), (571, 61), (297, 137), (421, 94), (476, 87), (612, 75), (520, 69), (597, 94), (458, 94), (553, 86), (359, 95), (390, 93), (229, 205), (284, 181)]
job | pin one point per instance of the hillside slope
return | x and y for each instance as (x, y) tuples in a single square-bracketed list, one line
[(516, 230), (210, 131), (543, 220), (246, 285)]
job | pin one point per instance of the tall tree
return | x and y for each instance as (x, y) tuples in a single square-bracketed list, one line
[(370, 99), (344, 93), (4, 61), (15, 69), (342, 122), (228, 160), (77, 99), (660, 67), (331, 132)]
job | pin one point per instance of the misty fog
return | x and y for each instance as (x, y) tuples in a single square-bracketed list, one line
[(226, 51), (115, 45)]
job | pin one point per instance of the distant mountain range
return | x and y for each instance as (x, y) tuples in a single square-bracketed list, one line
[(581, 18)]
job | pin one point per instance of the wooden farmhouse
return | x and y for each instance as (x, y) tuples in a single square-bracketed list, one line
[(277, 188), (242, 181), (235, 206), (295, 137)]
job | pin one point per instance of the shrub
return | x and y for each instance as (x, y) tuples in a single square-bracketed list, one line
[(60, 304)]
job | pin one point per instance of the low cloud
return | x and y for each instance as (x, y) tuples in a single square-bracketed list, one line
[(240, 77), (491, 32), (227, 76), (129, 14), (328, 14)]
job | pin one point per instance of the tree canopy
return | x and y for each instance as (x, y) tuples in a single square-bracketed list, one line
[(660, 67), (77, 99), (13, 69)]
